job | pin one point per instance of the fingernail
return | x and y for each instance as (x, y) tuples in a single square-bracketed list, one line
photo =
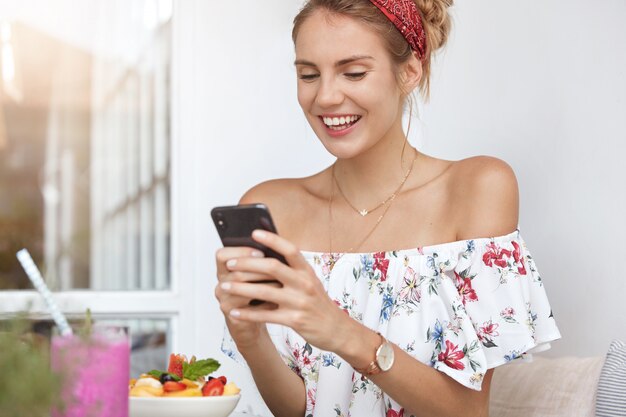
[(235, 313), (231, 263), (257, 254), (226, 286), (259, 234)]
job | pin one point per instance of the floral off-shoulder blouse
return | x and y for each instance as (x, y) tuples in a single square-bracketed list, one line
[(461, 307)]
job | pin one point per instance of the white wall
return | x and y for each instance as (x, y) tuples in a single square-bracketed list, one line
[(543, 87), (540, 85)]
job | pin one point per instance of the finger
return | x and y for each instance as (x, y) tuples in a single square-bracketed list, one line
[(260, 307), (281, 245), (228, 301), (245, 276), (269, 267), (265, 292), (226, 253), (255, 315), (222, 256)]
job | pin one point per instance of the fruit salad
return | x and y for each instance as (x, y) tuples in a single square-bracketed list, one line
[(183, 378)]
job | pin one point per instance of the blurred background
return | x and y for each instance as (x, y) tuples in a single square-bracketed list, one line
[(85, 139), (122, 123)]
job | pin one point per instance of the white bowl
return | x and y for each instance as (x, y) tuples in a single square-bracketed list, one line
[(220, 406)]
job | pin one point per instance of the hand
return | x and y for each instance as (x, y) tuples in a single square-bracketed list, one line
[(302, 303), (245, 334)]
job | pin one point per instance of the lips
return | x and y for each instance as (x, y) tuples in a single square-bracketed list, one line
[(338, 123)]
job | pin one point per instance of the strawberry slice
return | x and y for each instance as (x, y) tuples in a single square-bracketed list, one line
[(176, 364), (223, 379), (213, 388), (171, 386)]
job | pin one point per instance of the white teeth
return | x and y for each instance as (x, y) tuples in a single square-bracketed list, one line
[(339, 121)]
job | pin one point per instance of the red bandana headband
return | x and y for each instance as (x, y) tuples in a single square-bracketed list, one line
[(405, 16)]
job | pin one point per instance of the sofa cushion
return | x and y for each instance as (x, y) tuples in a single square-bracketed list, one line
[(563, 387), (611, 398)]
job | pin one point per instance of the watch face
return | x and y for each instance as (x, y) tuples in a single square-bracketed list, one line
[(384, 356)]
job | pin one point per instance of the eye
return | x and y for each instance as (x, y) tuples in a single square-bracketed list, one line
[(308, 77), (355, 76)]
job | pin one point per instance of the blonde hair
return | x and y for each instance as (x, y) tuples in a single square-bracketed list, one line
[(435, 18)]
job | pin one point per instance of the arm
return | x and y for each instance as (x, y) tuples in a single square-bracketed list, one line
[(282, 390), (436, 393)]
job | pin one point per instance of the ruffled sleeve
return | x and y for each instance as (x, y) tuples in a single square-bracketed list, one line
[(485, 304), (279, 336)]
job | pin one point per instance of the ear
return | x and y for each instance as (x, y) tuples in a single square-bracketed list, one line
[(410, 74)]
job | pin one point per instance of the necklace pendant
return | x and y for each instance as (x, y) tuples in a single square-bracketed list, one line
[(363, 212)]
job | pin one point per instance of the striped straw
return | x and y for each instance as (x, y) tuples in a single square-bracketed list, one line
[(35, 277)]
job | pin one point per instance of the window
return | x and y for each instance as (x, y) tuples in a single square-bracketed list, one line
[(85, 151)]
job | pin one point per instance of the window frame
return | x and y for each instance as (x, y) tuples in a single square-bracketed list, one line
[(177, 304)]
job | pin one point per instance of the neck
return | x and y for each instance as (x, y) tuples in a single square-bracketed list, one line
[(374, 174)]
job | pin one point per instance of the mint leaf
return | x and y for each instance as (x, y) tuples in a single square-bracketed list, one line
[(157, 375), (86, 330), (200, 369)]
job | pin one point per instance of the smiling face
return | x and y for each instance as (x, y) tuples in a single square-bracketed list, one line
[(347, 84)]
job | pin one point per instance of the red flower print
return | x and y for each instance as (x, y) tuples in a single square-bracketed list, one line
[(507, 312), (452, 356), (489, 329), (495, 256), (311, 399), (393, 413), (464, 286), (381, 264), (487, 333), (517, 255)]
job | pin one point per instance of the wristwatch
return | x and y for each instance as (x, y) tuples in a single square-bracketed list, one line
[(382, 361)]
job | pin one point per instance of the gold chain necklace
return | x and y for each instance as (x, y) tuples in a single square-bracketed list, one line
[(380, 218), (365, 212)]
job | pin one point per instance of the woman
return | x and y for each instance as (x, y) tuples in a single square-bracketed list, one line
[(366, 326)]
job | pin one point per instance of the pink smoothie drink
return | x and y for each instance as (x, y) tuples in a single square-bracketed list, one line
[(95, 373)]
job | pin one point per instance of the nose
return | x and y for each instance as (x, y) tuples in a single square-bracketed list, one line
[(329, 93)]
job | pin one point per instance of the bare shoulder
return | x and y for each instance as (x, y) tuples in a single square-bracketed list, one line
[(274, 193), (286, 198), (268, 191), (486, 195)]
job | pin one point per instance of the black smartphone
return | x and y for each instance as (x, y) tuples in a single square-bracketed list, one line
[(235, 224)]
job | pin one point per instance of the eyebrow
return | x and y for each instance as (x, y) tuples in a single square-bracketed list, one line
[(338, 63)]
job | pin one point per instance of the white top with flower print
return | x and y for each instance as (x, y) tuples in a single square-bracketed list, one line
[(461, 307)]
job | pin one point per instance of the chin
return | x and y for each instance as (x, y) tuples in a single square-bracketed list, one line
[(345, 149)]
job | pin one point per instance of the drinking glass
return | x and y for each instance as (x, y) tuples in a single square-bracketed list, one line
[(95, 372)]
